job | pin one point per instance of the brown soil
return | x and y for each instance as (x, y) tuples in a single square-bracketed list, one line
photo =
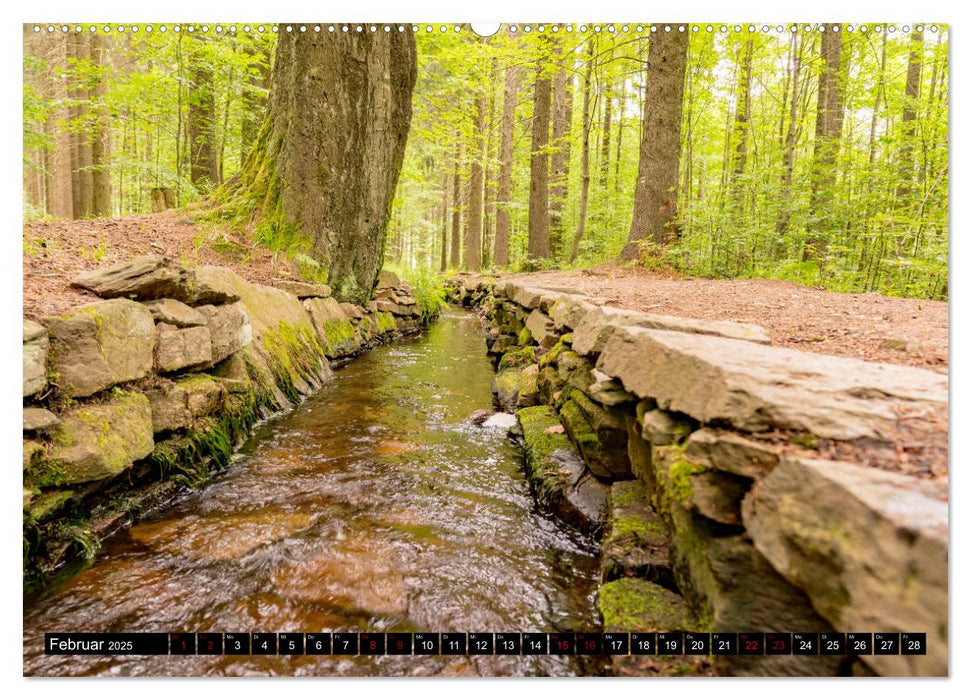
[(56, 251), (865, 326)]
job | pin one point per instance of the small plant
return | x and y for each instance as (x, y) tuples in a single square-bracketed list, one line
[(428, 290)]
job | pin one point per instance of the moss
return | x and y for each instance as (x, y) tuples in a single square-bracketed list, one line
[(338, 336), (680, 472), (579, 428), (294, 354), (385, 322), (808, 440), (632, 604), (542, 436), (627, 493), (525, 337), (627, 527), (518, 358), (567, 339), (47, 504), (550, 357)]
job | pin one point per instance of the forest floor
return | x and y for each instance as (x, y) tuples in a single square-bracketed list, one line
[(866, 326)]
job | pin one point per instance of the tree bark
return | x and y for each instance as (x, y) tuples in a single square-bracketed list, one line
[(201, 122), (656, 192), (792, 135), (909, 117), (743, 115), (560, 158), (504, 194), (829, 125), (472, 258), (455, 255), (584, 156), (100, 131), (329, 154), (81, 180), (538, 246)]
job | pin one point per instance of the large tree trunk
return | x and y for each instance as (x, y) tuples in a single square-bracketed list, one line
[(656, 193), (504, 195), (100, 131), (328, 156), (538, 247), (455, 258), (472, 258), (829, 125), (201, 122), (584, 156)]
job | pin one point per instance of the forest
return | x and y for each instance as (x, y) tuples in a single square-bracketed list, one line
[(813, 153)]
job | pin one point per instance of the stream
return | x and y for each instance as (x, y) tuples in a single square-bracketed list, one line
[(373, 506)]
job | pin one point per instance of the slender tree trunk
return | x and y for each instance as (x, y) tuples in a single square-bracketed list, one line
[(489, 209), (327, 158), (829, 125), (454, 258), (82, 183), (743, 115), (504, 195), (789, 159), (608, 101), (908, 122), (60, 201), (656, 193), (443, 263), (584, 156), (872, 148), (561, 147), (538, 247), (472, 258), (254, 97)]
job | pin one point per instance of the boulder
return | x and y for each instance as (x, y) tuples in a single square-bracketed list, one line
[(182, 348), (542, 329), (869, 548), (175, 313), (229, 329), (33, 454), (39, 420), (303, 290), (35, 357), (505, 385), (151, 277), (99, 345), (755, 387), (607, 390), (97, 442), (388, 306), (592, 333)]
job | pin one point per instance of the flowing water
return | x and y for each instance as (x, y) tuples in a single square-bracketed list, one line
[(372, 506)]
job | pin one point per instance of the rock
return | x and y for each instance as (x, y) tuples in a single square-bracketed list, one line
[(869, 547), (718, 496), (567, 312), (177, 405), (479, 417), (607, 390), (556, 473), (661, 428), (505, 385), (35, 357), (635, 542), (352, 311), (334, 330), (528, 388), (39, 420), (204, 394), (182, 348), (386, 278), (388, 306), (384, 293), (595, 330), (527, 297), (730, 452), (97, 442), (48, 504), (149, 277), (636, 605), (33, 453), (755, 387), (175, 313), (501, 421), (229, 329), (303, 290), (599, 435), (102, 344), (522, 357), (542, 329)]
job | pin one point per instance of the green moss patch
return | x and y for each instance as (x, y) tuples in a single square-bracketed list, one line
[(636, 605)]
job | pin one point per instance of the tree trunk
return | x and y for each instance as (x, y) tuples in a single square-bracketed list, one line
[(443, 264), (489, 215), (328, 157), (829, 125), (455, 254), (656, 193), (908, 122), (472, 258), (81, 180), (254, 97), (504, 195), (742, 116), (100, 131), (789, 158), (58, 180), (538, 247), (584, 156), (560, 159), (201, 122)]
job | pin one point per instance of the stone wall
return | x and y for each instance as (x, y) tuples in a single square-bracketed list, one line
[(736, 486), (129, 399)]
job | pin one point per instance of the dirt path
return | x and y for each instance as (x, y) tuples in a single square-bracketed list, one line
[(865, 326)]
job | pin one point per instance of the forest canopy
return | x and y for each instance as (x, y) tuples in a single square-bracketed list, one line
[(817, 153)]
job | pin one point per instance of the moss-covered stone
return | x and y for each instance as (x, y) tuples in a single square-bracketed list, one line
[(48, 504), (525, 337), (506, 385), (636, 605), (296, 358), (522, 357), (339, 338), (97, 442), (549, 384), (600, 436), (635, 540), (528, 387)]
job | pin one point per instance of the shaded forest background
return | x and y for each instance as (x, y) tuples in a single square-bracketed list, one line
[(814, 153)]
